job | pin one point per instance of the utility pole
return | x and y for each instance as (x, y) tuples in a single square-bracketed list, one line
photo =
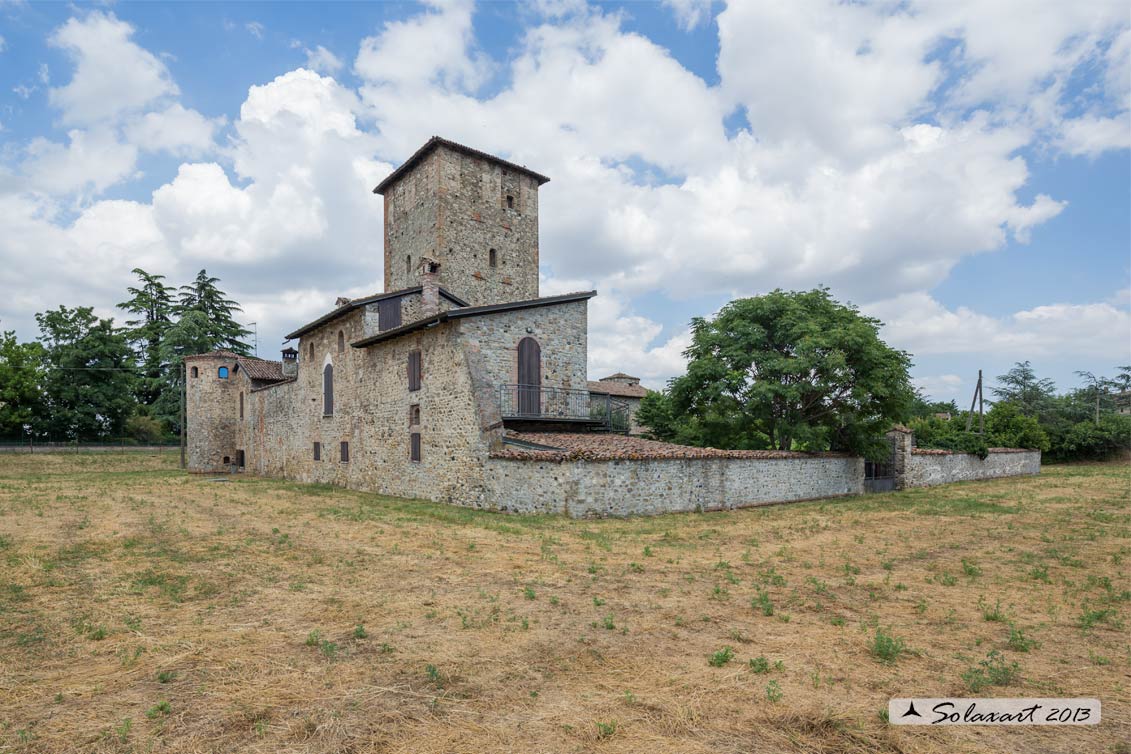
[(976, 400)]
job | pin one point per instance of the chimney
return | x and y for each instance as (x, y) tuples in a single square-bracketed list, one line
[(290, 362), (340, 302), (430, 287)]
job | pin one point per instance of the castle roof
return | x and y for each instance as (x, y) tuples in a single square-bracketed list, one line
[(349, 306), (619, 389), (260, 370), (471, 311), (437, 141)]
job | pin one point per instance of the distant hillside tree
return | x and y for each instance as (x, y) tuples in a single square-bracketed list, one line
[(787, 370), (223, 331), (1021, 386), (89, 377)]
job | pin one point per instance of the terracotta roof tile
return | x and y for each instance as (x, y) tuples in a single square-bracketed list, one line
[(618, 389), (607, 447), (262, 369)]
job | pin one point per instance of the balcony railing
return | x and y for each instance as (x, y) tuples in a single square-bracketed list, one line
[(556, 404)]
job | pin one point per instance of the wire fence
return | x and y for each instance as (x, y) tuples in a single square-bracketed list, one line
[(24, 445)]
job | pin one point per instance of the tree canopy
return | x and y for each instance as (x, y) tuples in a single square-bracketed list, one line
[(223, 331), (787, 370)]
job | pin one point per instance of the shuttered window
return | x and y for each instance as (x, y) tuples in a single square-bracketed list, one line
[(388, 314), (328, 390), (345, 452), (414, 370), (414, 445), (317, 451)]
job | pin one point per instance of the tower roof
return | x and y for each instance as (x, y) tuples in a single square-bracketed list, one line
[(437, 141)]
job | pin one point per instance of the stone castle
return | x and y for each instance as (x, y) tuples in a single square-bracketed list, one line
[(461, 384)]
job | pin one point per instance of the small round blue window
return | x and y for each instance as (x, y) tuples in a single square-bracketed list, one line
[(222, 373)]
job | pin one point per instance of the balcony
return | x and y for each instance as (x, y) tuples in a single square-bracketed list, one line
[(542, 407)]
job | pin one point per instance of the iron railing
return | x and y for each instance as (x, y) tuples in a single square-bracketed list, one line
[(536, 403)]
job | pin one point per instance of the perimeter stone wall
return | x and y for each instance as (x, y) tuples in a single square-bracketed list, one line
[(630, 487), (925, 469)]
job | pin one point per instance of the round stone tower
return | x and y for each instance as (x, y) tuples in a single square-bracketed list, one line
[(211, 410)]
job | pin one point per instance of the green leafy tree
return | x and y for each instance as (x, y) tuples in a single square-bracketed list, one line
[(152, 304), (1007, 427), (790, 370), (223, 331), (21, 366), (1021, 386), (90, 372)]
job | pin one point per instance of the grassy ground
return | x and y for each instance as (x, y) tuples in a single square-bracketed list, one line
[(142, 609)]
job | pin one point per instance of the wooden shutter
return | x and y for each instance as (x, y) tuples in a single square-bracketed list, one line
[(345, 453), (414, 370), (414, 443), (317, 451), (388, 313)]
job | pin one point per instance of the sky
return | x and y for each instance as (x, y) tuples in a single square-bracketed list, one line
[(957, 169)]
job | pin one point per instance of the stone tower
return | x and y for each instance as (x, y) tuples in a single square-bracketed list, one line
[(212, 396), (473, 213)]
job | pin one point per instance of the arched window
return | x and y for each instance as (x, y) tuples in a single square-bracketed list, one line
[(492, 258), (195, 372), (222, 373), (510, 202), (529, 377), (341, 342), (328, 390)]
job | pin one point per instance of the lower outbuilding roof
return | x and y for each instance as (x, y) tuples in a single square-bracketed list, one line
[(598, 446)]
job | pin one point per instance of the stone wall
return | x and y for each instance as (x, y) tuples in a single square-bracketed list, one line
[(926, 468), (631, 487), (212, 411), (452, 207), (560, 329)]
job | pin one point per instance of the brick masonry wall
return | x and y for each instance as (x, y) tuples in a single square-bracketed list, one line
[(621, 488), (926, 470), (452, 208)]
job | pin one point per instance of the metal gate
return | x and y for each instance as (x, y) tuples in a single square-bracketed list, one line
[(880, 477)]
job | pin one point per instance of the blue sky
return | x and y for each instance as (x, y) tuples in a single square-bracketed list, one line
[(958, 170)]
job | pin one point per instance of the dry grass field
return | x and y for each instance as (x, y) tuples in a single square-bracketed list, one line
[(146, 610)]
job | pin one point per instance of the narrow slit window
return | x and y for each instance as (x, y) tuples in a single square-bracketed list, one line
[(510, 202), (310, 351), (241, 405), (341, 342), (414, 415), (408, 265), (493, 258), (328, 390), (345, 452), (195, 372), (317, 451), (414, 371), (414, 447)]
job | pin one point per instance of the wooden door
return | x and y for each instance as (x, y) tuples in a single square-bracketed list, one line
[(529, 377)]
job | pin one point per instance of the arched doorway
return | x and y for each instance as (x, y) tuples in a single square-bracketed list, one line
[(529, 377)]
